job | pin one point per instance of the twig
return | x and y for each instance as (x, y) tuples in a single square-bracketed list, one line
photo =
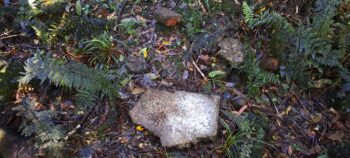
[(238, 93), (202, 7), (119, 17), (199, 70), (11, 36)]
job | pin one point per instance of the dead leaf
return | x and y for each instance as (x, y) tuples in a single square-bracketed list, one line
[(337, 136), (137, 90), (321, 83), (270, 63), (166, 83), (316, 118)]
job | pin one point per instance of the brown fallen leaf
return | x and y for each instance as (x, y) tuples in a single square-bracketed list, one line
[(137, 90), (337, 136), (316, 118), (269, 63)]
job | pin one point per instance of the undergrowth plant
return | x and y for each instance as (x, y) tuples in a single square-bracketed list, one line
[(192, 22), (307, 51), (55, 22), (102, 50), (91, 85), (247, 141), (256, 76), (40, 124)]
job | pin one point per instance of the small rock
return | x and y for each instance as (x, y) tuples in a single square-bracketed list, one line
[(231, 50), (177, 117), (136, 64), (166, 16)]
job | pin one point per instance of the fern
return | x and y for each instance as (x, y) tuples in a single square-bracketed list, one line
[(102, 50), (247, 140), (48, 135), (216, 73), (248, 13), (69, 74), (307, 46), (257, 77), (325, 11)]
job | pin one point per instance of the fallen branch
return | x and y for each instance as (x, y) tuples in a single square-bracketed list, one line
[(199, 70), (10, 36), (202, 7)]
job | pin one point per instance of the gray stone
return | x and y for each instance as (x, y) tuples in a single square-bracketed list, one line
[(136, 64), (231, 50), (177, 117)]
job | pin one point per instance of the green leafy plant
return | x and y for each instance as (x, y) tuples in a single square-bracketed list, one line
[(256, 76), (102, 50), (192, 21), (40, 124), (306, 50), (128, 26), (216, 73), (90, 83), (247, 12), (247, 141)]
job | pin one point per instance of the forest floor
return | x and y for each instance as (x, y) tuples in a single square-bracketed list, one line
[(296, 122)]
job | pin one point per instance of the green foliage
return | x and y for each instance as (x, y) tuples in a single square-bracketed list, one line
[(257, 77), (248, 13), (102, 50), (78, 7), (306, 47), (69, 74), (69, 26), (128, 26), (216, 73), (248, 141), (40, 124), (54, 22), (192, 20)]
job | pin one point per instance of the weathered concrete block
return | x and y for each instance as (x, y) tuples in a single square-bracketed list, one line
[(177, 117)]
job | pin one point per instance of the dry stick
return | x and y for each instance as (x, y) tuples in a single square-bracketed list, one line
[(199, 70), (202, 7), (10, 36), (119, 17)]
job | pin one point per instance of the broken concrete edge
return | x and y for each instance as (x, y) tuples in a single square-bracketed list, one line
[(159, 127)]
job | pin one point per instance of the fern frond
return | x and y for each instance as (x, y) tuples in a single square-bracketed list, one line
[(325, 11), (257, 77), (69, 74), (40, 124), (216, 73), (247, 140), (248, 13)]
